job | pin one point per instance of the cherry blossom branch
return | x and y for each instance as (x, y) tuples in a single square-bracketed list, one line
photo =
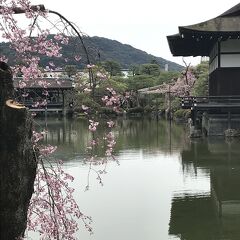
[(53, 209), (53, 212)]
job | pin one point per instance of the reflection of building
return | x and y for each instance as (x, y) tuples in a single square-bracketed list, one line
[(216, 216), (70, 137), (217, 38), (193, 218), (45, 94)]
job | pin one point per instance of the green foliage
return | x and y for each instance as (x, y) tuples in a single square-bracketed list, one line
[(158, 102), (201, 85), (182, 113), (115, 82), (150, 69), (70, 70), (87, 100), (154, 61), (175, 103), (147, 109), (135, 110), (112, 67), (135, 69), (166, 77), (107, 111), (201, 68), (140, 81), (137, 82)]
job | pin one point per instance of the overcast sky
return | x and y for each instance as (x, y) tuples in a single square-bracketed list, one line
[(142, 24)]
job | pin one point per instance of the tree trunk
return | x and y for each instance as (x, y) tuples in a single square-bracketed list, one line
[(17, 160)]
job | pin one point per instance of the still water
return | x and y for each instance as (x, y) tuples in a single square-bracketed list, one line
[(165, 187)]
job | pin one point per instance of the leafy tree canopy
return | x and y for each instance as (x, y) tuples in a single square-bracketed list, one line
[(70, 70), (140, 81), (201, 86), (150, 69), (112, 67)]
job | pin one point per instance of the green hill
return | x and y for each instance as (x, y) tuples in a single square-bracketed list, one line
[(125, 54), (99, 49)]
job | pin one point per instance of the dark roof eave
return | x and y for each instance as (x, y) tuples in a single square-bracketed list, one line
[(185, 31), (187, 47), (196, 43), (197, 39), (234, 11)]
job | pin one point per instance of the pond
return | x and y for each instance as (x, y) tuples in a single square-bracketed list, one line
[(165, 186)]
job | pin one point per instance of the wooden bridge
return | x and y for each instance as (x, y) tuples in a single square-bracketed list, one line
[(50, 107), (45, 94)]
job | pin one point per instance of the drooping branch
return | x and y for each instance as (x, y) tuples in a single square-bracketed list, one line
[(41, 8), (82, 42), (75, 30)]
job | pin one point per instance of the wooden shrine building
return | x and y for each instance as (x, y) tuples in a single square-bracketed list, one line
[(219, 39), (45, 94)]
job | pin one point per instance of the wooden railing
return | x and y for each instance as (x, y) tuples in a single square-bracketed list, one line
[(49, 105), (192, 101)]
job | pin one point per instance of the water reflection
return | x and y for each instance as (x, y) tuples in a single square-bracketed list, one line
[(167, 187), (72, 136), (215, 215)]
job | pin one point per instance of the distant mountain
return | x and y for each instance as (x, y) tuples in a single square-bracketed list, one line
[(125, 54), (99, 49)]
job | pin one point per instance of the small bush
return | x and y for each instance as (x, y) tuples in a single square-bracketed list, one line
[(182, 113), (135, 110), (106, 110), (85, 99), (147, 109)]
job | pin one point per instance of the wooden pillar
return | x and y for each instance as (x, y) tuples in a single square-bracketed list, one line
[(229, 120), (63, 107), (193, 116), (17, 161)]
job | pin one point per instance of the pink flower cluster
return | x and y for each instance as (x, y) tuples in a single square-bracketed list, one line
[(3, 58), (110, 144), (181, 87), (21, 39), (112, 100), (61, 38), (89, 66), (53, 211), (110, 124), (37, 136), (93, 125), (47, 150)]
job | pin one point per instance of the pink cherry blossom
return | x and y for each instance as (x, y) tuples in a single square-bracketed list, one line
[(84, 108), (110, 124), (90, 66), (93, 125), (77, 58)]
